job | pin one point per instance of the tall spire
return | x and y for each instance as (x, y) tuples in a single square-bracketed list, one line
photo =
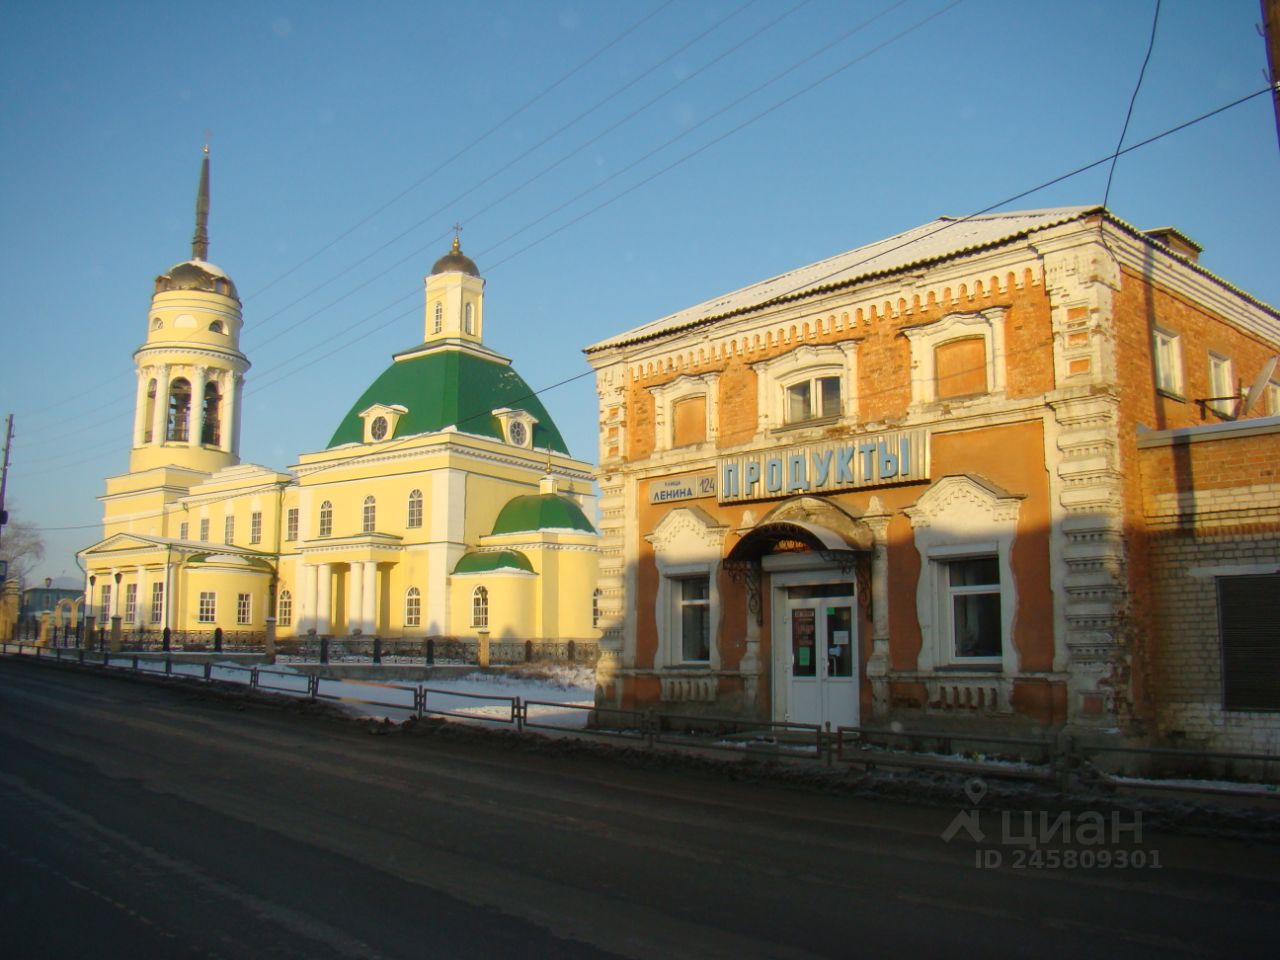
[(200, 242)]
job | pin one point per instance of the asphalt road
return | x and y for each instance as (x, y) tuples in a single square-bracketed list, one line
[(144, 820)]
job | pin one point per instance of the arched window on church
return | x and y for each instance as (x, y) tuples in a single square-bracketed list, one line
[(595, 609), (415, 508), (467, 324), (326, 519), (210, 430), (413, 608), (217, 327), (284, 609), (157, 323), (148, 432), (369, 518), (480, 608), (179, 410), (438, 323)]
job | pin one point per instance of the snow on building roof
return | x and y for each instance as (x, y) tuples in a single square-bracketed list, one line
[(937, 240)]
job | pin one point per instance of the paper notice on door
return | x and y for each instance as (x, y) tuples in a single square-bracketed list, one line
[(802, 655), (839, 638)]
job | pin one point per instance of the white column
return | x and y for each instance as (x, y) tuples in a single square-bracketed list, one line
[(369, 613), (160, 416), (355, 598), (306, 598), (324, 598), (195, 413), (233, 413), (140, 411), (143, 600), (227, 400)]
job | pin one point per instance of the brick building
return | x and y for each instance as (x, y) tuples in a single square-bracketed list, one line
[(995, 471)]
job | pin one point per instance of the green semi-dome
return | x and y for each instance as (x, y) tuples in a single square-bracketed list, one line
[(451, 388), (496, 560), (541, 511)]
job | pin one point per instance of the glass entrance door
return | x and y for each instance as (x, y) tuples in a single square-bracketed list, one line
[(820, 639)]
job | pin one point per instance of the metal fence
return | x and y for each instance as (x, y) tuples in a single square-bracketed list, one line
[(1052, 760)]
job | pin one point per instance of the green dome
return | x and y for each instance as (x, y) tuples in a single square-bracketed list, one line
[(543, 511), (488, 562), (446, 388)]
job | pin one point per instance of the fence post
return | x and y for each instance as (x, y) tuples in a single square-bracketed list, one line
[(208, 671), (217, 639), (431, 651), (520, 715), (253, 678), (324, 649), (377, 649), (572, 650), (528, 651), (167, 640)]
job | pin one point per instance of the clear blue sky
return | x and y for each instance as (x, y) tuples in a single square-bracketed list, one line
[(347, 137)]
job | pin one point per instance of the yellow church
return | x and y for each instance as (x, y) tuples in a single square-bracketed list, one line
[(444, 504)]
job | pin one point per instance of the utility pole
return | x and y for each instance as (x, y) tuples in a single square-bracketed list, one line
[(4, 471), (1271, 34)]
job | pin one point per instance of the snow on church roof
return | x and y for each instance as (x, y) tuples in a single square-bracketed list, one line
[(937, 240)]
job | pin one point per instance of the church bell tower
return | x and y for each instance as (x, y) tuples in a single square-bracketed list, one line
[(190, 369)]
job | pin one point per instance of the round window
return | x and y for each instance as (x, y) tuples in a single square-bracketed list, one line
[(378, 429)]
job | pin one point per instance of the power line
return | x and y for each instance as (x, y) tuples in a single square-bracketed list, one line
[(480, 139), (810, 284), (1155, 19)]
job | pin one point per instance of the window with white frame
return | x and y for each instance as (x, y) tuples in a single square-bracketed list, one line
[(182, 530), (813, 382), (157, 602), (291, 524), (255, 527), (974, 628), (687, 545), (369, 515), (207, 611), (415, 509), (229, 529), (480, 607), (813, 398), (964, 527), (693, 616), (468, 323), (284, 609), (204, 530), (326, 519), (1222, 385), (244, 609), (413, 607), (130, 602), (961, 355), (105, 610), (1166, 349)]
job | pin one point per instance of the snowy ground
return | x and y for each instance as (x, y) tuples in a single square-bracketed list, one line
[(556, 696)]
